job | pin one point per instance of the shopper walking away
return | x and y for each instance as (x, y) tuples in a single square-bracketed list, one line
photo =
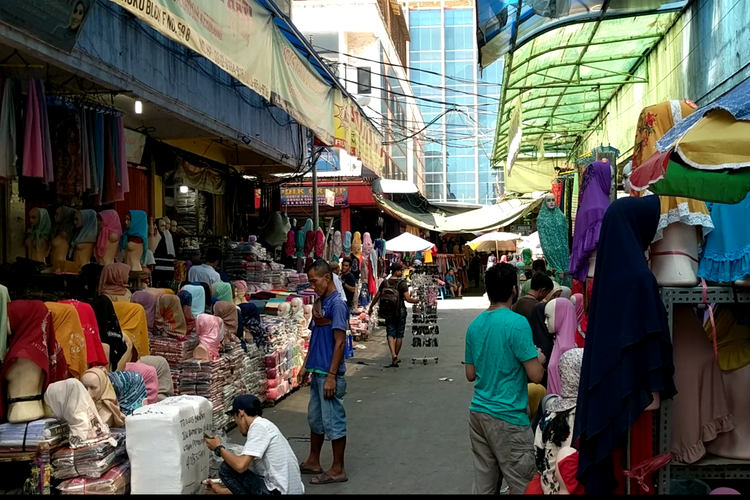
[(325, 362), (266, 466), (393, 295), (500, 359), (349, 281), (474, 267), (206, 272)]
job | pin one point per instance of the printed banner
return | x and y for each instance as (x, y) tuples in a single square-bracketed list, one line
[(57, 22), (302, 196), (355, 134), (134, 144)]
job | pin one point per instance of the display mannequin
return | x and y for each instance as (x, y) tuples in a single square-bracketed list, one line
[(594, 200), (108, 241), (135, 239), (128, 356), (297, 313), (674, 258), (308, 313), (284, 310), (153, 235), (553, 238), (85, 237), (37, 241), (100, 389), (735, 443), (63, 231), (25, 380)]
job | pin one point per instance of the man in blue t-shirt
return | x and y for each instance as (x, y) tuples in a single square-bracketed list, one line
[(501, 358), (325, 362)]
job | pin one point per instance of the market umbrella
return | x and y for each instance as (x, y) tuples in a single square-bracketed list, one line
[(407, 242), (531, 242), (494, 241)]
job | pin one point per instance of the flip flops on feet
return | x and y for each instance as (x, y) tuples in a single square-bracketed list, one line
[(305, 470), (326, 479)]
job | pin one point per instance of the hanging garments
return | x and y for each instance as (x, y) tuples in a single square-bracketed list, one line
[(347, 244), (300, 243), (357, 244), (8, 138), (337, 247), (65, 134), (726, 253), (320, 243), (308, 225), (289, 247), (367, 244)]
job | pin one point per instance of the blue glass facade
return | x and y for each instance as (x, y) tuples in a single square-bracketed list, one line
[(443, 62)]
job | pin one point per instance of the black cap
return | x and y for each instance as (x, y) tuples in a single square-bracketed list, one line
[(395, 267), (245, 402)]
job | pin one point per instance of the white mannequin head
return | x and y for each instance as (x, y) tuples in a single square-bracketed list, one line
[(91, 382), (549, 201), (308, 312), (283, 310), (296, 307), (626, 171), (549, 316)]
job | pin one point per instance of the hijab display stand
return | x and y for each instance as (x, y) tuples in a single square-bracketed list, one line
[(424, 326), (709, 467)]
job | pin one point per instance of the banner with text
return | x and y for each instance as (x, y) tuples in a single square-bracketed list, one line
[(355, 134), (240, 37), (302, 196)]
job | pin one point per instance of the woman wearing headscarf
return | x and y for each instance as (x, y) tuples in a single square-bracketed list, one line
[(581, 318), (95, 355), (240, 289), (132, 319), (33, 339), (136, 231), (628, 355), (69, 333), (130, 390), (210, 332), (113, 282), (198, 303), (163, 374), (101, 391), (222, 291), (150, 379), (186, 302), (109, 330), (149, 303), (565, 334), (251, 322), (111, 227), (173, 319)]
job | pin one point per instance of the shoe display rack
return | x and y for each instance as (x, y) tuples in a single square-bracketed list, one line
[(424, 328)]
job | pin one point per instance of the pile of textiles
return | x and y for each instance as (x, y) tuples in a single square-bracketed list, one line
[(115, 482), (255, 272), (278, 373), (295, 279), (90, 461), (206, 378), (256, 381), (175, 351), (258, 252), (17, 438), (235, 257), (361, 325)]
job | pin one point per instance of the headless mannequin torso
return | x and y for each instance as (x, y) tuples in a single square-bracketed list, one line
[(83, 251), (674, 258), (133, 251), (127, 357), (25, 379)]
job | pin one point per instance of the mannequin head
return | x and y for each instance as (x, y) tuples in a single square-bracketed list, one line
[(284, 310), (78, 219), (308, 312), (127, 220), (163, 226), (296, 306), (549, 316), (167, 223), (92, 384), (34, 217), (549, 201), (173, 226)]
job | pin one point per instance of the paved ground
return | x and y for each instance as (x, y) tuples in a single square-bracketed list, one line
[(407, 430)]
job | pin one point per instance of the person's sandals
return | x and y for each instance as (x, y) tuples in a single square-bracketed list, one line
[(326, 479), (305, 470)]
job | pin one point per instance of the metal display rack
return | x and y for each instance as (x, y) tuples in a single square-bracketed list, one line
[(709, 467)]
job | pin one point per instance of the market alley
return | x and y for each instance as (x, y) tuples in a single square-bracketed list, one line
[(408, 430)]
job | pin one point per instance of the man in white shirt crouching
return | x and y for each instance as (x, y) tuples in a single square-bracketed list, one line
[(267, 464)]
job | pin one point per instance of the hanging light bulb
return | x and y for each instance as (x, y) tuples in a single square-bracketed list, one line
[(138, 107), (183, 189)]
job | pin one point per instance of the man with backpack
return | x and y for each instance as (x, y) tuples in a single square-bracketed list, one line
[(393, 295)]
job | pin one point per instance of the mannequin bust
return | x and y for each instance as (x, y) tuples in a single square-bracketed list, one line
[(110, 242), (133, 250), (200, 352), (284, 310), (552, 226), (128, 356), (735, 443), (674, 258), (549, 316), (592, 264), (153, 235), (37, 242), (173, 226), (24, 379), (64, 227), (297, 312), (308, 313), (83, 241)]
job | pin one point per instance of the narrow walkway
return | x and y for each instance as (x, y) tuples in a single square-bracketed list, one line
[(408, 430)]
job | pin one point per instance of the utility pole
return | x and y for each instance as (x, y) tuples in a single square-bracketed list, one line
[(313, 159)]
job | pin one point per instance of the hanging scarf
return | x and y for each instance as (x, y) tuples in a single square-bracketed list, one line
[(138, 228), (300, 243), (565, 339), (114, 279), (582, 320), (32, 159), (94, 351), (150, 379), (209, 333), (130, 390), (132, 319), (87, 232), (308, 226), (289, 248), (173, 319), (222, 291), (105, 399), (109, 329), (628, 351), (149, 303), (67, 222), (69, 332), (228, 313), (43, 228), (186, 301), (594, 200), (198, 294), (337, 248), (366, 244), (163, 374), (110, 225), (347, 244), (553, 237), (357, 244), (320, 243), (8, 138), (33, 339), (527, 254)]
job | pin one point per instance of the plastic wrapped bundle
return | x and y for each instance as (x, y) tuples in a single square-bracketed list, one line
[(28, 436), (116, 481), (91, 461)]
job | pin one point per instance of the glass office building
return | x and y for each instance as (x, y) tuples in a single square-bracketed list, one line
[(462, 103)]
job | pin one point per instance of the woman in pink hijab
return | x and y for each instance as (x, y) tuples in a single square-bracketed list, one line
[(582, 320), (504, 259), (560, 318)]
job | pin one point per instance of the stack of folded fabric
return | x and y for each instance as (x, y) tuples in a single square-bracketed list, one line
[(278, 373), (175, 351), (92, 461), (28, 436), (256, 380), (235, 257), (206, 378), (116, 481)]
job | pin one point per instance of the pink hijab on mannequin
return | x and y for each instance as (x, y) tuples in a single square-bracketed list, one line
[(565, 340)]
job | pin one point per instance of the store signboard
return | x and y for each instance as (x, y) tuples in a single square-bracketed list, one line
[(330, 198), (57, 22), (302, 196), (134, 144)]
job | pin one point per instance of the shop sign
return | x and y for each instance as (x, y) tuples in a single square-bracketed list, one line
[(302, 196), (354, 134), (330, 198), (522, 229), (134, 144), (240, 37), (57, 22)]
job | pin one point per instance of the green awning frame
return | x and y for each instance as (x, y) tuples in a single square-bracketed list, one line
[(565, 77)]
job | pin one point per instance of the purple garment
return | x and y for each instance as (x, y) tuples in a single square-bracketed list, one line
[(592, 203), (47, 162)]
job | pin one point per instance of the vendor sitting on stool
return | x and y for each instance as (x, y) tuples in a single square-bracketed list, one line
[(267, 464), (453, 287)]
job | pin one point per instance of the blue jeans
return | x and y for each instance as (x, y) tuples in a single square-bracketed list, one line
[(395, 327), (247, 483), (327, 416)]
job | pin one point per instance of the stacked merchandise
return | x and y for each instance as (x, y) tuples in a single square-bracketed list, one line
[(92, 461), (424, 314), (30, 436), (235, 259), (279, 374), (116, 481), (186, 208), (282, 352), (256, 381), (257, 251), (175, 351), (206, 378), (255, 272), (360, 325), (295, 280)]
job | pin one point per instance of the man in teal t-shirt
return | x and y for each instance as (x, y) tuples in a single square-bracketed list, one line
[(501, 358)]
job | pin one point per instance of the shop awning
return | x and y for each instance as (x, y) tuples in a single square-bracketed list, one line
[(565, 66), (390, 186), (407, 242), (473, 221)]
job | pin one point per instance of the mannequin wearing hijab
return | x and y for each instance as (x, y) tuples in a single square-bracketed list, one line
[(39, 233), (347, 244), (560, 319), (553, 237), (153, 234), (108, 241), (357, 244), (210, 332), (134, 240), (594, 202), (103, 394), (83, 242), (577, 300), (63, 231), (337, 247)]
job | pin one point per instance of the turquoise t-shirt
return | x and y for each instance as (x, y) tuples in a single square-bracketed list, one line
[(497, 344)]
